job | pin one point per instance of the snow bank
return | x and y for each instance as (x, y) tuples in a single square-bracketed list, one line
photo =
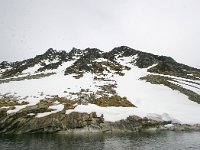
[(153, 101)]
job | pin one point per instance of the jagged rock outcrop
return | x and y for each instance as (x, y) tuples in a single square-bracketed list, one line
[(23, 122), (52, 59)]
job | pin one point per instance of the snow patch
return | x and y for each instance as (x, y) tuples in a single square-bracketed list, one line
[(17, 108), (169, 125), (57, 108)]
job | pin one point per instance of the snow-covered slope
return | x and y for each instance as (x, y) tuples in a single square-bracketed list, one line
[(79, 74)]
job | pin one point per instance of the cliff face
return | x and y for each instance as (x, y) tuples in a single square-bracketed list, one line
[(52, 59), (58, 91)]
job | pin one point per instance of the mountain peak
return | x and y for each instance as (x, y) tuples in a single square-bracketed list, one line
[(4, 64), (75, 51), (122, 51), (50, 51), (99, 81)]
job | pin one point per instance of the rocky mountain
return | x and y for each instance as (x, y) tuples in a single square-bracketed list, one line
[(114, 85)]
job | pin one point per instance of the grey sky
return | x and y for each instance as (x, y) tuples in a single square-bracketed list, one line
[(165, 27)]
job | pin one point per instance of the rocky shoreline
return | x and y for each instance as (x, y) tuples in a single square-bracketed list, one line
[(76, 123)]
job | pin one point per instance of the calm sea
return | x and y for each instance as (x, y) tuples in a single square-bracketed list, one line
[(167, 140)]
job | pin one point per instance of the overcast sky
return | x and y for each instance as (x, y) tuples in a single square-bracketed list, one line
[(165, 27)]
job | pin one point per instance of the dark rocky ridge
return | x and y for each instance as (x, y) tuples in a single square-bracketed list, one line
[(165, 65), (17, 67), (156, 79)]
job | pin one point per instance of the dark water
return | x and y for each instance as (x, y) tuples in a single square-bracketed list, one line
[(144, 141)]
